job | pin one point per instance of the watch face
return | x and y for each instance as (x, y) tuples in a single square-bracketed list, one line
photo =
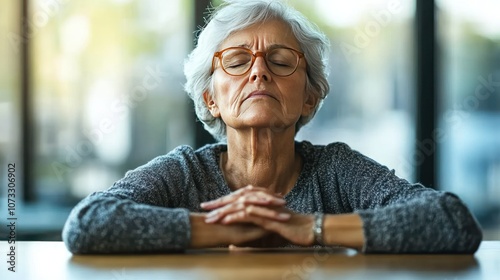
[(318, 228)]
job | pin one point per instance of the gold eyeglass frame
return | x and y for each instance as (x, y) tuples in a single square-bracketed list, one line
[(219, 55)]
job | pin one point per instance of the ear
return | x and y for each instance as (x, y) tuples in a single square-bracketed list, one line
[(211, 105), (310, 102)]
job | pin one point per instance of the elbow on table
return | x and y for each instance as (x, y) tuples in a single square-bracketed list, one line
[(77, 235), (468, 234), (72, 237)]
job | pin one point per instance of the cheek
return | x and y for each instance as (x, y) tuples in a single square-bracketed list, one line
[(220, 87), (226, 89), (297, 91)]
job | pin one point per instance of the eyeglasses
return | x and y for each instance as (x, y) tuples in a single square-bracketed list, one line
[(237, 61)]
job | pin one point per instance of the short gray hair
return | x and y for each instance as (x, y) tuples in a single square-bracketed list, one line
[(236, 15)]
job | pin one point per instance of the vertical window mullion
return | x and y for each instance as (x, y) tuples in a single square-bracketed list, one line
[(426, 97), (202, 136), (26, 107)]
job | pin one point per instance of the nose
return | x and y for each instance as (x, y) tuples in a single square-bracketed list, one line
[(259, 70)]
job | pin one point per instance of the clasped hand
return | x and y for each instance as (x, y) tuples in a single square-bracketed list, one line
[(260, 207)]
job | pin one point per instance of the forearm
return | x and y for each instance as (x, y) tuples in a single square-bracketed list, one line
[(104, 224), (205, 235), (438, 223), (343, 230)]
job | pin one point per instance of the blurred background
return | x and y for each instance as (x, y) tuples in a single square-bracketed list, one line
[(91, 89)]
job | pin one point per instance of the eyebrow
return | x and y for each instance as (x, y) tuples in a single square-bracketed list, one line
[(271, 47)]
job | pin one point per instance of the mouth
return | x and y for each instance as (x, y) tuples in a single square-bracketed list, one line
[(260, 94)]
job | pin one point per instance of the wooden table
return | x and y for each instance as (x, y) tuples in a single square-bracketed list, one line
[(51, 260)]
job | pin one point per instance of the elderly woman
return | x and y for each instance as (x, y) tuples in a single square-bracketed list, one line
[(257, 75)]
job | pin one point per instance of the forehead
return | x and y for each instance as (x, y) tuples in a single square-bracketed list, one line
[(262, 35)]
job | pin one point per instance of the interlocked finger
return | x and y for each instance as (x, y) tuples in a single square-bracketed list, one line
[(252, 212), (249, 194)]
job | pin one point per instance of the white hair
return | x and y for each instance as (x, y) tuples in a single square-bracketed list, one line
[(236, 15)]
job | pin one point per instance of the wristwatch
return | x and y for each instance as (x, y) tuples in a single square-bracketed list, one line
[(318, 228)]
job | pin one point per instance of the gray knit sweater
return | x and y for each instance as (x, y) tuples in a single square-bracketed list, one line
[(148, 210)]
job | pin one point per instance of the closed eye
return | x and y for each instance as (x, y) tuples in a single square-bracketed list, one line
[(281, 63), (236, 64)]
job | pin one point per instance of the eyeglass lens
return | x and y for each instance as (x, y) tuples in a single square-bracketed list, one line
[(280, 61)]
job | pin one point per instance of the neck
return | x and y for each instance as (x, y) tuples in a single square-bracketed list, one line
[(261, 158)]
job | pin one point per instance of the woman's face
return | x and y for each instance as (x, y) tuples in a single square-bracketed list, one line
[(259, 98)]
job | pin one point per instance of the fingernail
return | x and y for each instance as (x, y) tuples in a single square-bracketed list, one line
[(212, 214), (209, 219), (284, 215), (206, 204)]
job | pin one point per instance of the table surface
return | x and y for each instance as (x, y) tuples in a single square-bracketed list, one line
[(51, 260)]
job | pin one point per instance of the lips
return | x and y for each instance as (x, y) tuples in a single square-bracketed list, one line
[(260, 93)]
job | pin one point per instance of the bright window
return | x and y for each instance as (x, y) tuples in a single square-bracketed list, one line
[(9, 88), (469, 36), (371, 103), (107, 87)]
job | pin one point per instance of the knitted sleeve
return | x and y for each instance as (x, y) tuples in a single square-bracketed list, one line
[(145, 211), (399, 217)]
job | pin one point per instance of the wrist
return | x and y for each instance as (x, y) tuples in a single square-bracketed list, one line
[(318, 229), (205, 235), (344, 230)]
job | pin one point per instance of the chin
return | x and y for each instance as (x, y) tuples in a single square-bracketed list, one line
[(265, 118), (271, 122)]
